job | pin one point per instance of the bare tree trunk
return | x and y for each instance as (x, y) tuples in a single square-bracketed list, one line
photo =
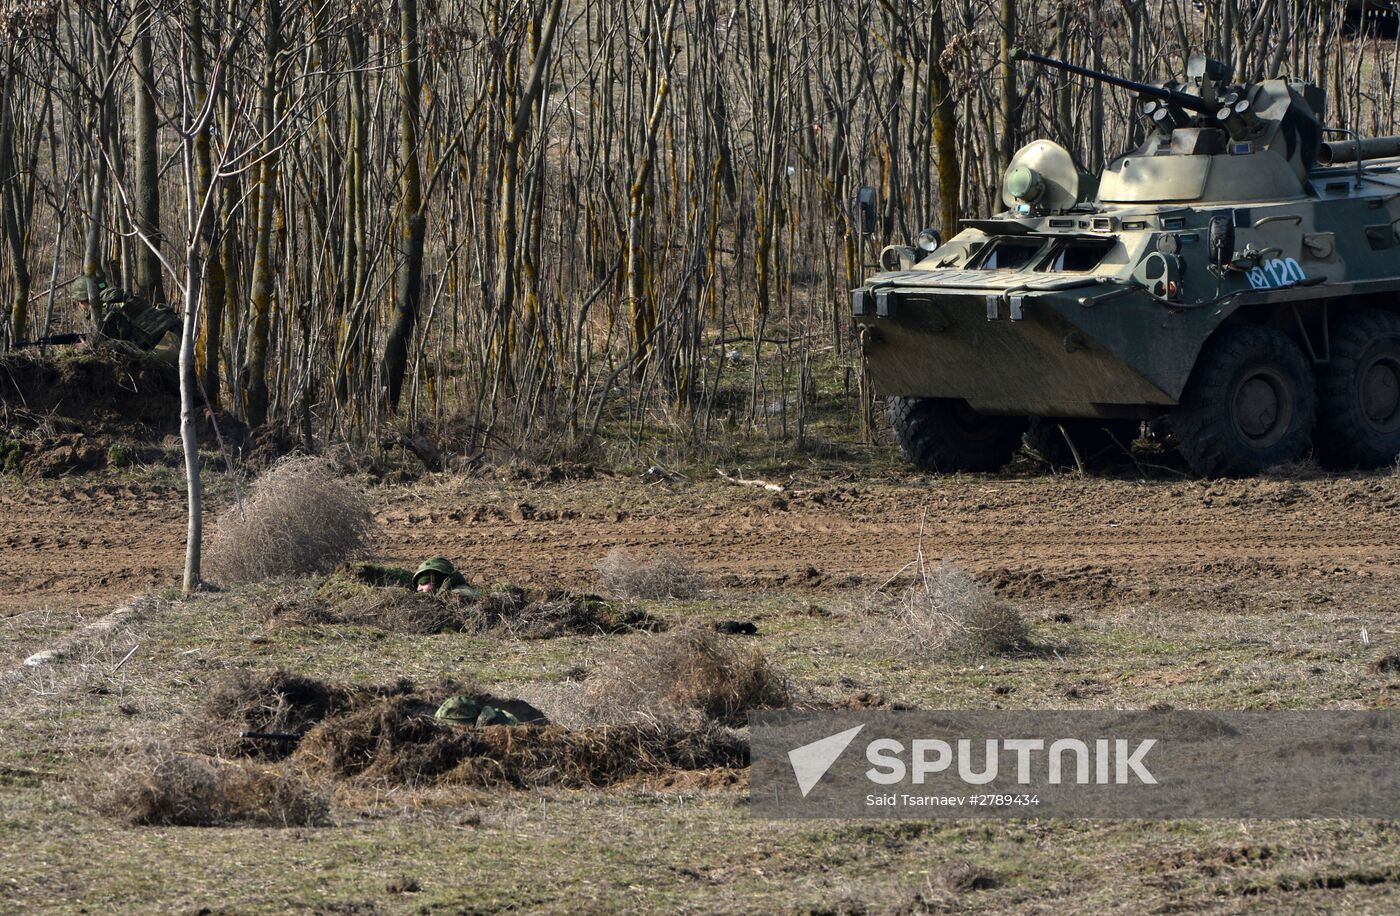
[(207, 355), (643, 309), (945, 127), (414, 225), (11, 222), (189, 418), (256, 398), (1008, 84), (147, 193), (355, 257)]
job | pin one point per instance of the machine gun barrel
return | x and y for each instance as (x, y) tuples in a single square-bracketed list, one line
[(1189, 102), (53, 340), (282, 737)]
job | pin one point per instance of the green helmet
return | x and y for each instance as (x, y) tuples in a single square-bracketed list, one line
[(440, 565), (460, 709), (472, 711), (113, 294)]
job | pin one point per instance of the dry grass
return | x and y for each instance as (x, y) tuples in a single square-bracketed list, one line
[(276, 701), (679, 676), (1386, 664), (403, 611), (947, 612), (379, 575), (87, 660), (667, 575), (949, 884), (299, 519), (155, 785), (390, 736), (511, 613), (1305, 468), (398, 742)]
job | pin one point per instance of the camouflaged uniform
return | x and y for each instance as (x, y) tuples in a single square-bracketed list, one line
[(132, 320), (445, 575)]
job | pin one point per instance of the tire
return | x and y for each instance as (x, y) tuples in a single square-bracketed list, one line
[(944, 435), (1358, 393), (1250, 404), (1100, 442)]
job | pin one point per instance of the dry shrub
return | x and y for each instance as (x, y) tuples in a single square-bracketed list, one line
[(397, 741), (948, 612), (679, 675), (299, 519), (154, 785), (667, 575)]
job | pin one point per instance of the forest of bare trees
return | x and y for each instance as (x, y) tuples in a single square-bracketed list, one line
[(539, 224)]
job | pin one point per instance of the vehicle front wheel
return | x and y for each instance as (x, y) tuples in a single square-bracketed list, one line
[(1250, 404), (1358, 393), (945, 435)]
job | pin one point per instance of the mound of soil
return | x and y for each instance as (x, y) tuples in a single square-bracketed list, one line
[(389, 734), (60, 413), (515, 612), (56, 456), (1087, 582), (397, 741), (278, 702), (92, 389)]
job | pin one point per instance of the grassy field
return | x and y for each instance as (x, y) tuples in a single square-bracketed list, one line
[(1167, 616)]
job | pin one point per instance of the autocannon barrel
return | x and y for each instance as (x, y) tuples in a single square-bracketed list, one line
[(1189, 102), (1338, 152)]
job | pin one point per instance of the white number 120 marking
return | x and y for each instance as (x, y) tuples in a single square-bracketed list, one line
[(1275, 272)]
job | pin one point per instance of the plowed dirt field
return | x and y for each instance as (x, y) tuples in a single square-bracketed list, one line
[(83, 543)]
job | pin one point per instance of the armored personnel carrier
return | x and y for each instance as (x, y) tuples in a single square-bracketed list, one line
[(1235, 280)]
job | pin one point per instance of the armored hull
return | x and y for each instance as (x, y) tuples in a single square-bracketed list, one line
[(1071, 307)]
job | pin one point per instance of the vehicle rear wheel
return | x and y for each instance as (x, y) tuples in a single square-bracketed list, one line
[(1099, 442), (945, 435), (1250, 404), (1358, 393)]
